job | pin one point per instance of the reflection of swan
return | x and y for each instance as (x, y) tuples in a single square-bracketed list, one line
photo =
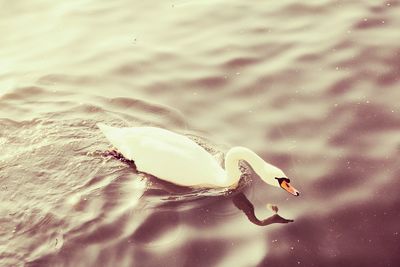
[(242, 203), (177, 159)]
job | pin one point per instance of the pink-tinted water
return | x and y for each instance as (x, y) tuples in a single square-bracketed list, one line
[(312, 87)]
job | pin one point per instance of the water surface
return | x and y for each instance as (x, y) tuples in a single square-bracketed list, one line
[(311, 87)]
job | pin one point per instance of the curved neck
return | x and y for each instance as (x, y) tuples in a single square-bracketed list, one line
[(232, 158)]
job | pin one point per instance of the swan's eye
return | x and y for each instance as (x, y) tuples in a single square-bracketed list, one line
[(282, 179)]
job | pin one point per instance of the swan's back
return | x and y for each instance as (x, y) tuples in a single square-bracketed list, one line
[(166, 155)]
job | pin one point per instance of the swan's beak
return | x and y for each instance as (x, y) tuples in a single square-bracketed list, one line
[(286, 185)]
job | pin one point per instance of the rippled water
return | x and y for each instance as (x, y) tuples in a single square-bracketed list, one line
[(312, 87)]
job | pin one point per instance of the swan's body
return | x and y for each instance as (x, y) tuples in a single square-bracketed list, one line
[(177, 159)]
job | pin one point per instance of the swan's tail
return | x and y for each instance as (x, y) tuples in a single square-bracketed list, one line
[(120, 138), (103, 126), (115, 136), (108, 131)]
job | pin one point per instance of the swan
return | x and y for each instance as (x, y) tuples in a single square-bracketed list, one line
[(177, 159)]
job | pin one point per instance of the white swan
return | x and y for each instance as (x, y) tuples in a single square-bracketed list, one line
[(177, 159)]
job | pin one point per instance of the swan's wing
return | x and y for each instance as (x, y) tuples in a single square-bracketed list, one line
[(166, 155), (177, 159)]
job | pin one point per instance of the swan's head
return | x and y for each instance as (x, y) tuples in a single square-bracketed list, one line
[(276, 177), (284, 183)]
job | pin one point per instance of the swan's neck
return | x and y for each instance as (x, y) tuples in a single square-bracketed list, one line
[(232, 159)]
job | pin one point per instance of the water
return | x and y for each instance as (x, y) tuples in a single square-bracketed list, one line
[(311, 87)]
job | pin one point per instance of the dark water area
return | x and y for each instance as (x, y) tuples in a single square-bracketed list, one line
[(313, 88)]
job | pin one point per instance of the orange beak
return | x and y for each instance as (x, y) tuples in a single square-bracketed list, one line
[(285, 185)]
